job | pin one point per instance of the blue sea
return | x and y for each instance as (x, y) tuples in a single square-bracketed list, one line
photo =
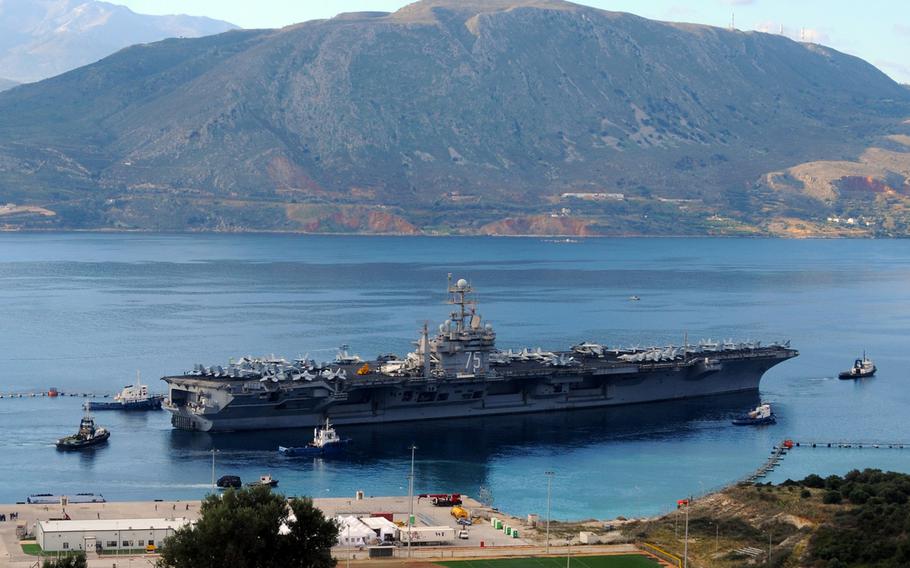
[(85, 312)]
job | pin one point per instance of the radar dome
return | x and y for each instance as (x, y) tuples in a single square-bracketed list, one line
[(462, 283)]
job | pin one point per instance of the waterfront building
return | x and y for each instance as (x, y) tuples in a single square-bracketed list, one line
[(105, 534)]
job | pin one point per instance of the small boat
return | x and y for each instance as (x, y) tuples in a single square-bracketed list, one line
[(88, 435), (265, 480), (862, 368), (760, 416), (325, 442), (634, 298), (228, 481), (132, 397)]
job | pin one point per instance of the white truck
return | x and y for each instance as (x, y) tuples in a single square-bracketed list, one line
[(427, 535)]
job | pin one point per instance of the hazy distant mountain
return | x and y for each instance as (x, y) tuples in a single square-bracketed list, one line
[(43, 38), (6, 84), (449, 115)]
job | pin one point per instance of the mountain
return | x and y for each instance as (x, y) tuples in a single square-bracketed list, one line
[(497, 117), (43, 38), (7, 84)]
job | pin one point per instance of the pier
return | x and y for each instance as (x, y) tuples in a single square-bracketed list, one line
[(780, 450)]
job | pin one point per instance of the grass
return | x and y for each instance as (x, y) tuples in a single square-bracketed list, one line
[(32, 549), (617, 561)]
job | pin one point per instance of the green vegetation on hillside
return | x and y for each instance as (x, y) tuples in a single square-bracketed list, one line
[(486, 117), (618, 561), (859, 520)]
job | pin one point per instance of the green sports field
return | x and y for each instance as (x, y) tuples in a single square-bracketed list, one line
[(618, 561)]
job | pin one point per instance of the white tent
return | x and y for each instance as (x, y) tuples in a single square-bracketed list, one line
[(385, 529), (352, 532)]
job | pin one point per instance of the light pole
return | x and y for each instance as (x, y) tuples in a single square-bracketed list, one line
[(213, 469), (411, 500), (686, 545), (348, 530), (769, 548), (549, 475)]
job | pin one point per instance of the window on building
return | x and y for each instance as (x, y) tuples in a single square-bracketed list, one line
[(127, 543), (151, 543), (111, 544), (66, 545)]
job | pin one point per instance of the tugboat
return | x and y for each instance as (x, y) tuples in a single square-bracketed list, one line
[(325, 442), (87, 436), (760, 416), (862, 368), (132, 397), (228, 481), (264, 480)]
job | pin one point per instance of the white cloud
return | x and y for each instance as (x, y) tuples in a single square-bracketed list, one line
[(812, 35)]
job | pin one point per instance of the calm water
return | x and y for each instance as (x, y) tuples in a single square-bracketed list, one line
[(84, 312)]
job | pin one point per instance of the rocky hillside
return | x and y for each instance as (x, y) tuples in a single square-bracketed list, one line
[(857, 520), (43, 38), (498, 117)]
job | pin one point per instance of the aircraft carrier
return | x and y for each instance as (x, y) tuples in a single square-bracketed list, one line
[(458, 372)]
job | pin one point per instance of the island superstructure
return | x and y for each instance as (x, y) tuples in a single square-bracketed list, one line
[(458, 372)]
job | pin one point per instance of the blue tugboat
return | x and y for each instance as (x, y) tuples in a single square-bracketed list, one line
[(325, 442), (760, 416), (132, 397)]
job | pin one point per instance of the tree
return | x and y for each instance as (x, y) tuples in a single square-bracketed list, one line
[(77, 560), (241, 528), (310, 540)]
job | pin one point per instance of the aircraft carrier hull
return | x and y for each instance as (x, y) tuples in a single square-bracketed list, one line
[(417, 399)]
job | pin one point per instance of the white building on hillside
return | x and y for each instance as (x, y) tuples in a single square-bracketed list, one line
[(113, 534)]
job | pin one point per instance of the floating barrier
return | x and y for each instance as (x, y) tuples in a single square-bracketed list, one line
[(855, 445), (52, 393)]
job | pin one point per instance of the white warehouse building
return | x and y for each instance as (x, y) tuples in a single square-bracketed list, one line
[(113, 534)]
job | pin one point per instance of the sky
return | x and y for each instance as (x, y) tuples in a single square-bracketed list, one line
[(876, 30)]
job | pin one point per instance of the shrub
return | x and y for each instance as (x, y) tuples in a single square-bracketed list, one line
[(833, 482), (814, 481), (805, 494), (77, 560), (858, 496), (832, 498)]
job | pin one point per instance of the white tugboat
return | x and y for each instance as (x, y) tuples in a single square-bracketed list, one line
[(862, 368), (760, 416), (325, 442), (132, 397)]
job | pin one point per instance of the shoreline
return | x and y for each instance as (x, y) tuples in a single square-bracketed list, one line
[(431, 235)]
